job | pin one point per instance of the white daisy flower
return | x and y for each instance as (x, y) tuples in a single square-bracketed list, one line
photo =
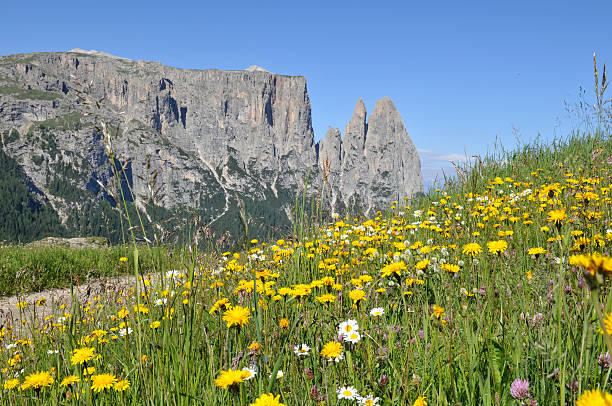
[(125, 331), (377, 311), (347, 392), (369, 400), (353, 337), (279, 374), (302, 349), (347, 327)]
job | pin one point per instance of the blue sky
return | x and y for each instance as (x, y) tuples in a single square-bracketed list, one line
[(460, 73)]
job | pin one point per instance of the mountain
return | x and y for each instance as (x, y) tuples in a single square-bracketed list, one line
[(189, 143)]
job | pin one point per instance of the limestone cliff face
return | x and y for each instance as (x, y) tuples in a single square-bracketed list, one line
[(376, 161), (209, 134)]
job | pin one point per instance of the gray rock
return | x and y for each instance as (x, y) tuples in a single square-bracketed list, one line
[(208, 135)]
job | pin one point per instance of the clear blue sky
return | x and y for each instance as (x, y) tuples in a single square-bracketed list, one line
[(460, 73)]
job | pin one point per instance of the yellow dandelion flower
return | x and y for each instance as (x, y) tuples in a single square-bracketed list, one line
[(331, 350), (421, 265), (102, 381), (394, 268), (497, 247), (438, 312), (594, 398), (11, 384), (220, 304), (237, 316), (37, 380), (472, 249), (81, 355), (69, 380), (326, 298), (230, 377), (420, 401), (536, 251), (450, 268), (357, 295), (557, 216), (121, 385), (268, 399)]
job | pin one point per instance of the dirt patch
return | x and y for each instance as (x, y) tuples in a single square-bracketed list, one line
[(79, 242), (47, 302)]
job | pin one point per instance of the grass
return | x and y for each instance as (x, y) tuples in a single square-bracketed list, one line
[(31, 269), (450, 335)]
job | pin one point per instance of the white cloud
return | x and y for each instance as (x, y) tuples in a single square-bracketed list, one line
[(435, 165), (431, 156)]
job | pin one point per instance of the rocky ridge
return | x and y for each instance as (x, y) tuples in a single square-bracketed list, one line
[(197, 138)]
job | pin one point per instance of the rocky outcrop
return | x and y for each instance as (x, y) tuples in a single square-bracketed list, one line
[(376, 161), (207, 135)]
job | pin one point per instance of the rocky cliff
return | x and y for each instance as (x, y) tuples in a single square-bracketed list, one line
[(196, 139)]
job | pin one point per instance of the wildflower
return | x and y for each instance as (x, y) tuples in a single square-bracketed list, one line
[(123, 259), (69, 380), (142, 309), (249, 373), (357, 295), (593, 263), (377, 311), (122, 385), (605, 360), (394, 268), (284, 323), (102, 381), (594, 398), (421, 265), (268, 399), (154, 325), (450, 268), (11, 384), (472, 249), (125, 331), (420, 401), (347, 327), (326, 298), (557, 217), (254, 347), (302, 349), (332, 350), (497, 247), (353, 337), (607, 324), (347, 392), (219, 304), (237, 316), (81, 355), (279, 374), (519, 389), (37, 380), (230, 378), (438, 312), (369, 400)]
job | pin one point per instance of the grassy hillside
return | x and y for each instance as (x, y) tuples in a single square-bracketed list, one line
[(493, 291)]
